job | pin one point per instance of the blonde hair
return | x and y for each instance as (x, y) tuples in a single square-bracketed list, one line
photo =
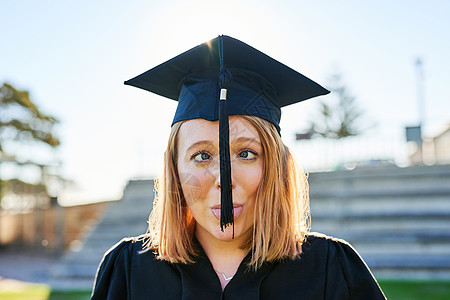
[(281, 217)]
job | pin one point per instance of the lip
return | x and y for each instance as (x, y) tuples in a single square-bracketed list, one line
[(237, 210)]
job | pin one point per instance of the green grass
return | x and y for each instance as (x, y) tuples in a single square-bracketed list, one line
[(393, 289), (415, 289), (33, 291), (28, 292), (70, 295)]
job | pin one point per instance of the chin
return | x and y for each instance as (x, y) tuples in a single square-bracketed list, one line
[(227, 234)]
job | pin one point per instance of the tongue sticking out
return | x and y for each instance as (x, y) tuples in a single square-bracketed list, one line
[(237, 210)]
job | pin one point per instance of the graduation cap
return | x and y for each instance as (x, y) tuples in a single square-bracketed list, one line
[(223, 77)]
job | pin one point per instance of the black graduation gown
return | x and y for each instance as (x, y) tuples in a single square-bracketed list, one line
[(328, 268)]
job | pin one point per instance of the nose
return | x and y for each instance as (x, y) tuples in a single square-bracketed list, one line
[(217, 179)]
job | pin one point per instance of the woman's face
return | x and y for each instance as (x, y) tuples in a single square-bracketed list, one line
[(199, 172)]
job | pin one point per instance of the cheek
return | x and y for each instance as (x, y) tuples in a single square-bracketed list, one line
[(255, 180), (191, 186), (249, 178), (195, 183)]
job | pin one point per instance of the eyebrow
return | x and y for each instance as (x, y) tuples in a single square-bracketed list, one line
[(198, 144), (243, 139)]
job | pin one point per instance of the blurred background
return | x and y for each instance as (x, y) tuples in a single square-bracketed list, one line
[(79, 150)]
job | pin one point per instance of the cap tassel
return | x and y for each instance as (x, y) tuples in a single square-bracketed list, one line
[(226, 198)]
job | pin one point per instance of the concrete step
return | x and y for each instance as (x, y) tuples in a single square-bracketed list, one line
[(92, 258), (386, 178), (116, 224), (348, 215), (75, 271), (396, 205), (422, 236), (124, 213), (127, 217), (383, 194), (115, 233), (434, 267), (420, 274), (419, 223), (411, 261), (98, 249), (403, 248)]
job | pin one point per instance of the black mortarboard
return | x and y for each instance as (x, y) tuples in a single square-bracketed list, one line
[(247, 82)]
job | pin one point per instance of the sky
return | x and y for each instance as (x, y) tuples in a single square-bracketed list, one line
[(73, 56)]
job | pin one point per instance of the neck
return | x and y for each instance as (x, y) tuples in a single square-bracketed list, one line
[(225, 256), (217, 249)]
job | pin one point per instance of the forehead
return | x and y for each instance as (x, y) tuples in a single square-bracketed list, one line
[(200, 129)]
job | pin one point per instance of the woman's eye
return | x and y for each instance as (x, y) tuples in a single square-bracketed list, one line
[(247, 154), (201, 157)]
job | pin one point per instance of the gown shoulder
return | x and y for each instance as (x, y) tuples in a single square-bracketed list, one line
[(347, 275), (112, 277), (128, 271)]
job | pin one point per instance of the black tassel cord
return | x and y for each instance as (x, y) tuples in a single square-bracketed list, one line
[(226, 198)]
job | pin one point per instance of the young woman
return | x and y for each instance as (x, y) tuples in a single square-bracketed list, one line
[(230, 219)]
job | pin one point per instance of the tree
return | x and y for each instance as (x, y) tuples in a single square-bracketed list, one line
[(339, 119), (21, 121)]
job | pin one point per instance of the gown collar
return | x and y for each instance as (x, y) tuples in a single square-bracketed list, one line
[(199, 278)]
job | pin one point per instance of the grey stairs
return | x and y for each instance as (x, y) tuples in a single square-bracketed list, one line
[(127, 217), (397, 218)]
